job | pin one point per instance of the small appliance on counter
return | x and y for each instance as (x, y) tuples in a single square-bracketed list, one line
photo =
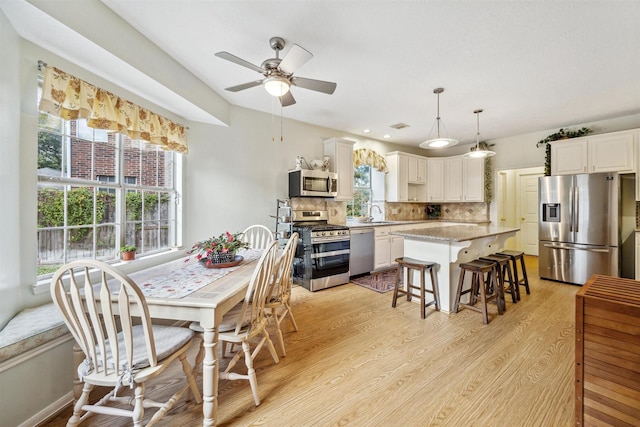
[(322, 256)]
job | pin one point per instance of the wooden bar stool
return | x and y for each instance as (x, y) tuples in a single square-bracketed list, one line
[(505, 275), (515, 256), (479, 285), (422, 267)]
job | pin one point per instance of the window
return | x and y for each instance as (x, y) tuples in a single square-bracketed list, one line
[(98, 191), (361, 192)]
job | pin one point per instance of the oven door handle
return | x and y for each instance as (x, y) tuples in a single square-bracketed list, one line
[(328, 254)]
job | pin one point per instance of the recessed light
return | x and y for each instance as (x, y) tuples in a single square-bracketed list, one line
[(387, 136), (366, 131)]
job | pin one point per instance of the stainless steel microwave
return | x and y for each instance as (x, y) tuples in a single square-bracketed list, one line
[(312, 183)]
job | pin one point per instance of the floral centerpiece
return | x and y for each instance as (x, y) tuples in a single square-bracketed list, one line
[(218, 250)]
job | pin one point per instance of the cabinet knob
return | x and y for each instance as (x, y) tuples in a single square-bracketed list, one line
[(522, 218)]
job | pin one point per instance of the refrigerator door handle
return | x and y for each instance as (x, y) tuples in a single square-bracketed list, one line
[(571, 192), (573, 248), (576, 207)]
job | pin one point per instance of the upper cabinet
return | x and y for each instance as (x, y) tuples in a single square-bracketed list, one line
[(435, 179), (417, 173), (611, 152), (340, 152), (464, 179), (407, 177), (472, 179)]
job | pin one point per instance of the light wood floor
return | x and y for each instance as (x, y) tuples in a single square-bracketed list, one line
[(358, 362)]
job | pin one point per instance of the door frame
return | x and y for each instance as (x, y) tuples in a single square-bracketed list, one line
[(508, 191)]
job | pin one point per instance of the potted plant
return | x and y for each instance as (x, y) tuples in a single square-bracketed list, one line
[(218, 250), (128, 252)]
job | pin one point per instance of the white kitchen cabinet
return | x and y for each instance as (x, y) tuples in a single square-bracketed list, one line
[(472, 179), (417, 170), (435, 179), (464, 179), (611, 152), (340, 152), (406, 179), (453, 179), (387, 248)]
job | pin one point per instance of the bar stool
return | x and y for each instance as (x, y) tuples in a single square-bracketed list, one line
[(505, 275), (422, 267), (479, 285), (515, 256)]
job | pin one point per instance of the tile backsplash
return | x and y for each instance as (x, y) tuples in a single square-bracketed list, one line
[(401, 211)]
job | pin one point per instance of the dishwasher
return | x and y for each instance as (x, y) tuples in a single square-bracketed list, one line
[(361, 251)]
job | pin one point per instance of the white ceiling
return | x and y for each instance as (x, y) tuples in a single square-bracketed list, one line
[(531, 65)]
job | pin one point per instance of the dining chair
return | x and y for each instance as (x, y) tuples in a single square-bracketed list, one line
[(280, 290), (258, 236), (248, 321), (108, 317)]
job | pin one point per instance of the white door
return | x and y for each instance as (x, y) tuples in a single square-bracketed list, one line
[(528, 209)]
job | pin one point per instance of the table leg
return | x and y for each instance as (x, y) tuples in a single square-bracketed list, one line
[(210, 368)]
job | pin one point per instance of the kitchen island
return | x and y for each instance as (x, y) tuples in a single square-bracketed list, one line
[(451, 245)]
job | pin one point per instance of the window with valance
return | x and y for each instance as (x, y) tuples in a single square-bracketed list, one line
[(68, 97)]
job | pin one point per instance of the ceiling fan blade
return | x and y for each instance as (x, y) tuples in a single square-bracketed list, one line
[(317, 85), (240, 61), (294, 59), (244, 86), (287, 99)]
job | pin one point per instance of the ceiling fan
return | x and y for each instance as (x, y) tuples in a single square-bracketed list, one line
[(278, 72)]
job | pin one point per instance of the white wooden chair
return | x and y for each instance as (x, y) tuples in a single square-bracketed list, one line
[(258, 236), (109, 319), (280, 291), (248, 320)]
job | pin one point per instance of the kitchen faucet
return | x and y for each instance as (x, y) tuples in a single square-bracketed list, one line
[(371, 209)]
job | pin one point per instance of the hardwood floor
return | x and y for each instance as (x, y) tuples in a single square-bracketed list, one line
[(358, 362)]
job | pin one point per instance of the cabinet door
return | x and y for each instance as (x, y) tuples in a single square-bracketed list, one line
[(422, 170), (569, 157), (412, 169), (396, 249), (611, 153), (381, 253), (453, 181), (435, 181), (637, 255), (340, 152), (472, 179)]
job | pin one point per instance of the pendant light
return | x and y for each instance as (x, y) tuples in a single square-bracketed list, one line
[(476, 151), (438, 142)]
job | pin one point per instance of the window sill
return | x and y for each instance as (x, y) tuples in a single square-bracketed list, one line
[(140, 263)]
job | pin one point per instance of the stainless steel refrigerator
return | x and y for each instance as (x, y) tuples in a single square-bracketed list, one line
[(580, 226)]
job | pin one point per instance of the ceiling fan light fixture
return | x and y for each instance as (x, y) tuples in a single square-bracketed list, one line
[(276, 85), (476, 151), (438, 142)]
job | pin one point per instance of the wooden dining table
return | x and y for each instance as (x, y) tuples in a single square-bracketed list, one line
[(206, 305)]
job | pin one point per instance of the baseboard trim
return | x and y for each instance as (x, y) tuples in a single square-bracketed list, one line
[(49, 412)]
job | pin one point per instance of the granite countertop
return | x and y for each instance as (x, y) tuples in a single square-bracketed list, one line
[(357, 224), (455, 233)]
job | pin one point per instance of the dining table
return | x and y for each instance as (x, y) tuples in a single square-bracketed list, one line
[(185, 290)]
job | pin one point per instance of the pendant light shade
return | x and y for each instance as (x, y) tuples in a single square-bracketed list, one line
[(438, 141), (476, 151)]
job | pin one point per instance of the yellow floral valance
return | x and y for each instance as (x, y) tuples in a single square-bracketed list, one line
[(365, 156), (70, 98)]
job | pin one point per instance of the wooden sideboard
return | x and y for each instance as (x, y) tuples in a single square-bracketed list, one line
[(608, 352)]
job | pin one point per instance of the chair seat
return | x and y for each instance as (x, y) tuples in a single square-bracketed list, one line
[(168, 340)]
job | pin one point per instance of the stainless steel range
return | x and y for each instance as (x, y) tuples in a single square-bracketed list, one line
[(322, 256)]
